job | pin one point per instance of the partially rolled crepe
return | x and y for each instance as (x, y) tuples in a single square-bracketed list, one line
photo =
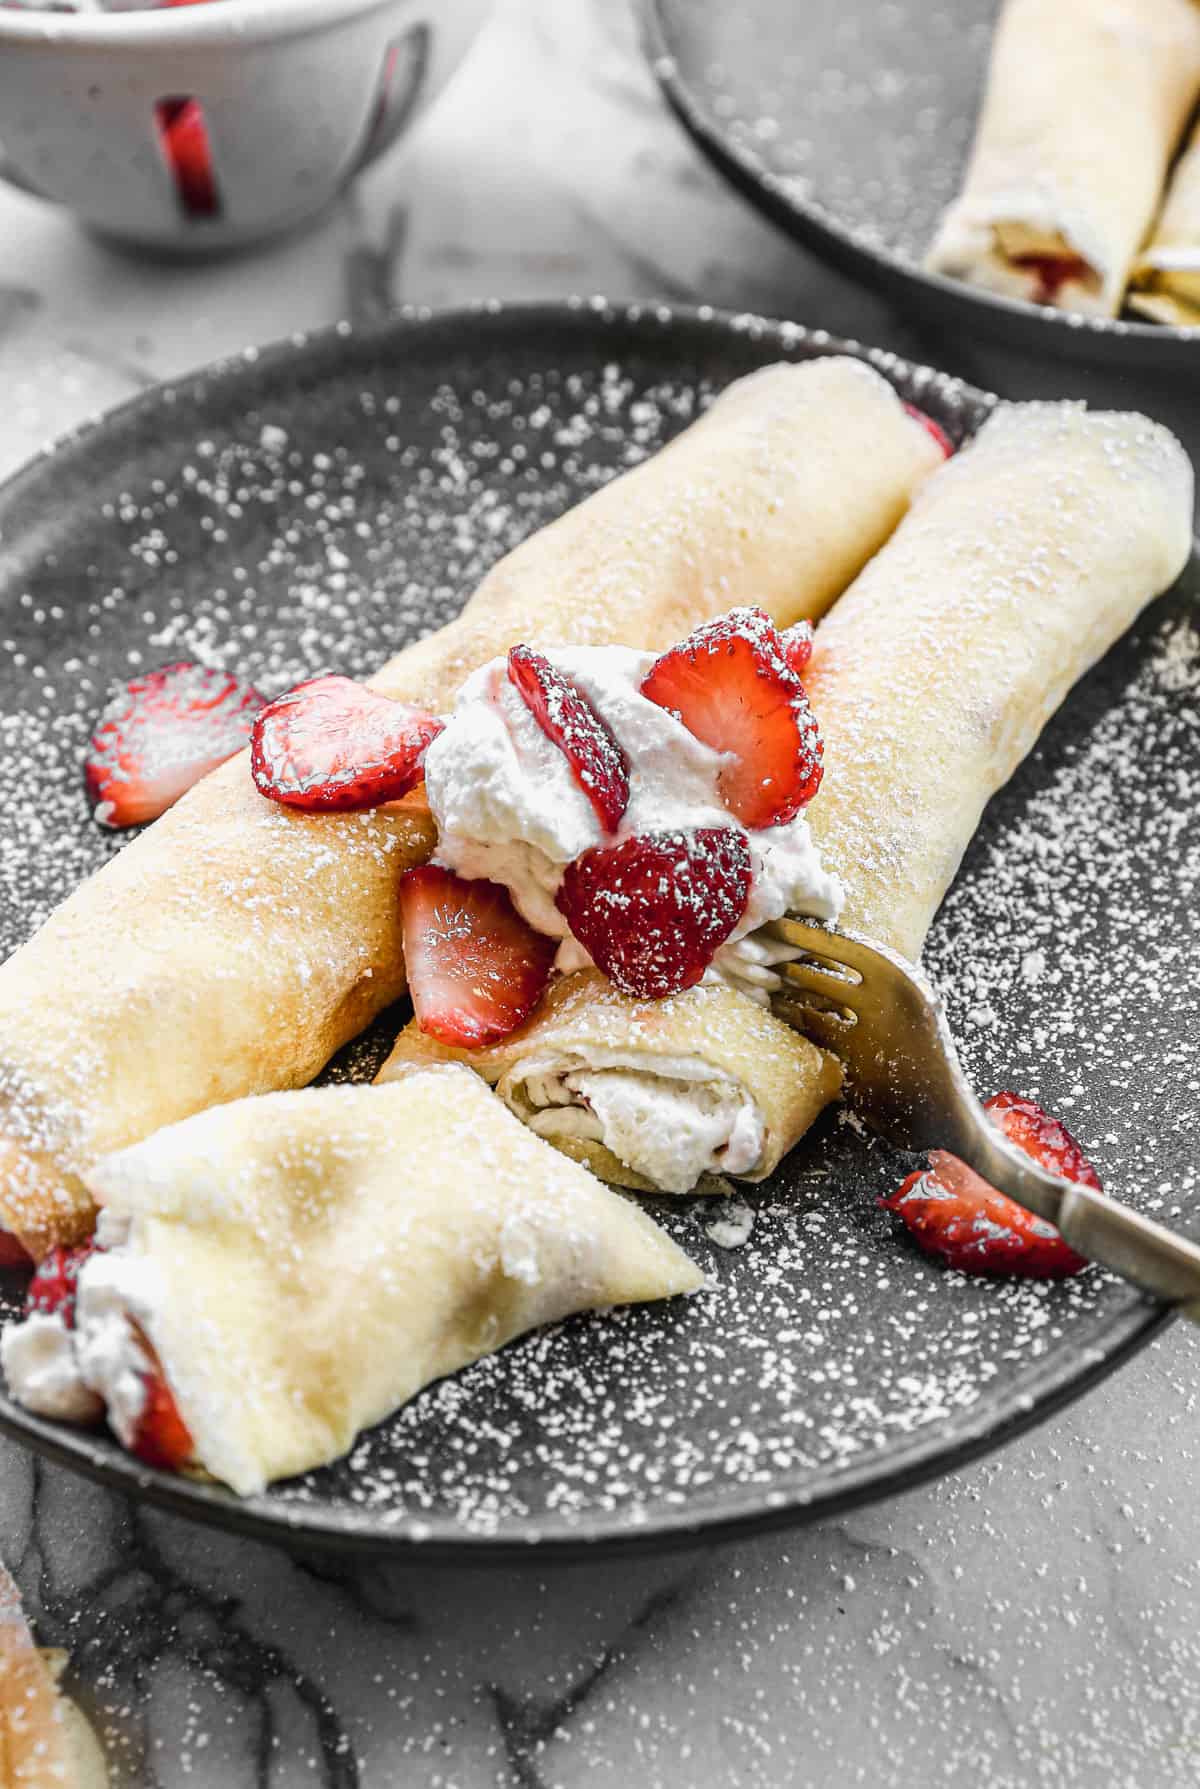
[(236, 944), (1018, 565), (304, 1263), (1166, 278), (651, 1094), (1085, 103)]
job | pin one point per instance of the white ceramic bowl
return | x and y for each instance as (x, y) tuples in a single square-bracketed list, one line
[(296, 96)]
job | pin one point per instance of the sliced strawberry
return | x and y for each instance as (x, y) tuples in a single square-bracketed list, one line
[(954, 1213), (52, 1289), (161, 1437), (189, 154), (731, 685), (162, 733), (476, 970), (1046, 1139), (12, 1252), (798, 645), (331, 745), (933, 428), (652, 912), (584, 737)]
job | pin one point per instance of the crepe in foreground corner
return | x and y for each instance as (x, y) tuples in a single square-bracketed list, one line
[(1085, 103), (1020, 564), (45, 1742), (236, 944), (651, 1094), (305, 1263), (1167, 275)]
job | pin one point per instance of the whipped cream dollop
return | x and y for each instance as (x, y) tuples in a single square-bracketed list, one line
[(99, 1366), (508, 806)]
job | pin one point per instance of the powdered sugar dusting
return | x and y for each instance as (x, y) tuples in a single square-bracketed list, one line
[(824, 1346)]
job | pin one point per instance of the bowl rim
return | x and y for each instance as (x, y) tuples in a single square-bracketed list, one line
[(179, 27)]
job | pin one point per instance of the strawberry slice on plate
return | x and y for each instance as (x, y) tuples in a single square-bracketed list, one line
[(53, 1288), (950, 1211), (160, 734), (933, 428), (332, 746), (570, 721), (476, 970), (652, 911), (731, 685)]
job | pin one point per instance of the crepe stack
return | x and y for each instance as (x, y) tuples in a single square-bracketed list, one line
[(235, 945), (1085, 104), (1020, 562), (1167, 275)]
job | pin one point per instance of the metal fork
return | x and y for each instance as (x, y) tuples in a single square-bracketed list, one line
[(881, 1015)]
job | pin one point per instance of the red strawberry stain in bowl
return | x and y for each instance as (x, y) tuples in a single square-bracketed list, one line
[(731, 685), (1052, 273), (950, 1211), (476, 969), (653, 911), (334, 746), (570, 721), (160, 734)]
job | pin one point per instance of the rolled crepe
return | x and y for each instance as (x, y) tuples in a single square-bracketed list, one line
[(236, 944), (1167, 275), (651, 1094), (1018, 567), (1085, 103), (304, 1263)]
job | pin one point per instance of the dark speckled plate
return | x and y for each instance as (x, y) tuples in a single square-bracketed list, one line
[(848, 122), (321, 502)]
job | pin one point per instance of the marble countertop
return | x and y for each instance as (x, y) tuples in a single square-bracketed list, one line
[(1030, 1620)]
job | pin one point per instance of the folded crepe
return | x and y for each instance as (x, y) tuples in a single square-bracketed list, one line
[(651, 1094), (1018, 565), (1085, 103), (1166, 278), (304, 1263), (236, 944)]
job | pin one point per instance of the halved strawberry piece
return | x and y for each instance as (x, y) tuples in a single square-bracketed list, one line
[(12, 1252), (798, 645), (161, 1437), (731, 685), (52, 1290), (331, 745), (653, 911), (162, 733), (950, 1211), (476, 970), (583, 736), (933, 428)]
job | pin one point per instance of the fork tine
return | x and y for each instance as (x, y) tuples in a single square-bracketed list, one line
[(803, 978), (836, 952)]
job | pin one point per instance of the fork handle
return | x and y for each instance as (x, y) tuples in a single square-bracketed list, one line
[(1158, 1260)]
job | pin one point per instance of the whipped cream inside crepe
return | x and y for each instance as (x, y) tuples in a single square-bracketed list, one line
[(303, 1263)]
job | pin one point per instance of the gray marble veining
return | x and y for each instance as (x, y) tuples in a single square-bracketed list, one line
[(1028, 1621)]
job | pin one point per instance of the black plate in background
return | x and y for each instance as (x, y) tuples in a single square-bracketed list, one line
[(848, 122), (321, 502)]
